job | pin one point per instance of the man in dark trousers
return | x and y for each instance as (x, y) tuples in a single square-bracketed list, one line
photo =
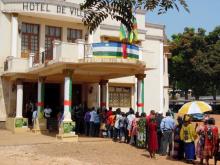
[(167, 126)]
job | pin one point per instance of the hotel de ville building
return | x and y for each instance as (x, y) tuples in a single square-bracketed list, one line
[(48, 57)]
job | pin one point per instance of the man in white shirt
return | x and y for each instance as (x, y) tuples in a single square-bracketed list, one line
[(47, 114)]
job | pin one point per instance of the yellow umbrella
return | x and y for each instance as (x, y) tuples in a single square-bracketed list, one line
[(195, 107)]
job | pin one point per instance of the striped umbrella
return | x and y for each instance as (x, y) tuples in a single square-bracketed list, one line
[(195, 107)]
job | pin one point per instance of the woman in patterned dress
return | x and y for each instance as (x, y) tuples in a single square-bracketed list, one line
[(201, 141), (211, 140), (141, 131)]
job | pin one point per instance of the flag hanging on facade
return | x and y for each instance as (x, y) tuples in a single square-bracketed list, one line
[(130, 37), (133, 36), (123, 37), (123, 32)]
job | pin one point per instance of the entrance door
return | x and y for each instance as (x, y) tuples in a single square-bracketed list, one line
[(52, 33), (52, 97), (29, 96), (30, 40), (77, 95)]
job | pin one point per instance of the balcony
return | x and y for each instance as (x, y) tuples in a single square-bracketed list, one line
[(16, 65), (105, 58)]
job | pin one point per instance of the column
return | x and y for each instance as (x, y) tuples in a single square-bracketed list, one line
[(140, 92), (107, 95), (103, 93), (14, 34), (40, 97), (90, 41), (81, 47), (161, 103), (19, 102), (42, 43), (67, 94)]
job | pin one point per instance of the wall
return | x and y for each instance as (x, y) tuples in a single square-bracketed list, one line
[(5, 40), (93, 95), (151, 56), (44, 22)]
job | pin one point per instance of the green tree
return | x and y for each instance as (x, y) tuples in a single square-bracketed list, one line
[(186, 47), (213, 59), (208, 62), (96, 11)]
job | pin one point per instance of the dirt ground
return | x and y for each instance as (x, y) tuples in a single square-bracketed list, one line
[(31, 149), (88, 151)]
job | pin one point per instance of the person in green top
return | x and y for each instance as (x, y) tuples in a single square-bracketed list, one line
[(141, 131)]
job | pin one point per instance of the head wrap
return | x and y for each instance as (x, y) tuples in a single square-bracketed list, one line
[(187, 118)]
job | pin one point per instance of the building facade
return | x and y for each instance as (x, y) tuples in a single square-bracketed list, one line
[(48, 57)]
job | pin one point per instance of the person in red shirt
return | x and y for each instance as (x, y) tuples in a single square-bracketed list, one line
[(110, 124), (211, 140), (109, 112), (148, 117)]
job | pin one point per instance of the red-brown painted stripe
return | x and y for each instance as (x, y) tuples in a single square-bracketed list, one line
[(67, 102), (140, 105)]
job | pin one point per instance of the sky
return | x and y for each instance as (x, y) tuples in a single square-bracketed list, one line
[(203, 13)]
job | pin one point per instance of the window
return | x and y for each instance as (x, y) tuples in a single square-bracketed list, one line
[(119, 96), (73, 35), (29, 39), (52, 33)]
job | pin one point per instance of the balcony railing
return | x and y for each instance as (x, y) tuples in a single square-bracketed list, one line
[(75, 53), (14, 64)]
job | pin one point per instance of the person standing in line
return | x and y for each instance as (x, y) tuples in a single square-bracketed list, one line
[(125, 128), (167, 126), (117, 124), (133, 140), (96, 123), (35, 116), (109, 112), (211, 140), (47, 115), (178, 143), (159, 118), (141, 131), (110, 124), (152, 112), (188, 136), (87, 122), (91, 122), (152, 142), (130, 119), (122, 124), (29, 110), (200, 130)]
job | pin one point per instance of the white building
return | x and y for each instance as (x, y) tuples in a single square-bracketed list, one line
[(45, 48)]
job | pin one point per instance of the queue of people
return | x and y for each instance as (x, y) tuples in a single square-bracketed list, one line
[(179, 139)]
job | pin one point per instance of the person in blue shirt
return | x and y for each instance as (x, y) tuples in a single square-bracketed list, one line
[(91, 122), (167, 126), (87, 120), (96, 123)]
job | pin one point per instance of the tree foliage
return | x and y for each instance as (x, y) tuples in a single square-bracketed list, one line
[(96, 11), (195, 62)]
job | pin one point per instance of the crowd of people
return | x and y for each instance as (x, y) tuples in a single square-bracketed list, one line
[(181, 139)]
